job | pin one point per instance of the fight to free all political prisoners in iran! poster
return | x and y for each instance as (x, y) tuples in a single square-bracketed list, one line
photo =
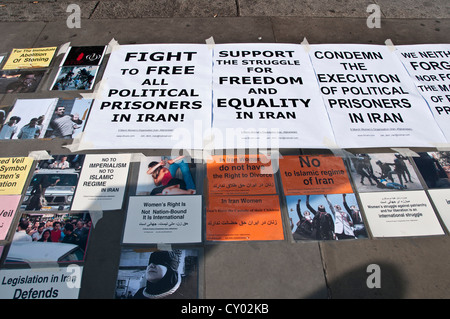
[(152, 96)]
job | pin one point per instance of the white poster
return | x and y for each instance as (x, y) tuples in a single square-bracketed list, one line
[(441, 199), (399, 214), (370, 98), (163, 219), (152, 96), (178, 278), (429, 67), (41, 283), (102, 182), (267, 96)]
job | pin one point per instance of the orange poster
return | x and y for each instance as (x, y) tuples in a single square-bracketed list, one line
[(314, 174), (240, 175), (243, 218)]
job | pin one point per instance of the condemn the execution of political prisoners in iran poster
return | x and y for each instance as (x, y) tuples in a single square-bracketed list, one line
[(371, 99), (152, 96), (267, 96)]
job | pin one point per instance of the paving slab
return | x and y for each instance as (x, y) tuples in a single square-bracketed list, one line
[(205, 8)]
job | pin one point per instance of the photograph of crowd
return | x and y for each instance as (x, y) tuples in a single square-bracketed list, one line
[(20, 81)]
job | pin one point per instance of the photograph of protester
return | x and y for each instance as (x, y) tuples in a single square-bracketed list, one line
[(434, 168), (54, 183), (383, 172), (157, 274), (68, 118), (72, 78), (166, 175), (20, 81)]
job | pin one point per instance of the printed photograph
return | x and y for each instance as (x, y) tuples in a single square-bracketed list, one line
[(434, 168), (69, 118), (44, 237), (4, 111), (166, 175), (53, 184), (28, 119), (383, 172), (20, 81), (157, 275), (325, 217)]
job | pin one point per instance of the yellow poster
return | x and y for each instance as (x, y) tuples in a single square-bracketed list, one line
[(13, 174), (29, 58), (243, 218)]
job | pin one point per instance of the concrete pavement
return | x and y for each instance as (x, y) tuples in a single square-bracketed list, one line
[(410, 267)]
